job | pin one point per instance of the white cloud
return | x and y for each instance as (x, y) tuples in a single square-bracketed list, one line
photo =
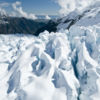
[(2, 11), (17, 7), (2, 6), (70, 5), (47, 17)]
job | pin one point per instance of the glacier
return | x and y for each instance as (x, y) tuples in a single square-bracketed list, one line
[(64, 65), (53, 66)]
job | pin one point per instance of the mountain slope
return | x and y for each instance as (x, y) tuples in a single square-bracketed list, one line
[(89, 16), (13, 25)]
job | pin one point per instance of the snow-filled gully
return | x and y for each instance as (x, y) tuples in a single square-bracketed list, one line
[(56, 66)]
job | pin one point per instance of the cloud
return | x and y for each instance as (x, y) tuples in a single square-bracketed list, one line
[(47, 17), (17, 7), (2, 6), (2, 11), (71, 5)]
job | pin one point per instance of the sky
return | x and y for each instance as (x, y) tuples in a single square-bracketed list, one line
[(31, 8), (38, 7)]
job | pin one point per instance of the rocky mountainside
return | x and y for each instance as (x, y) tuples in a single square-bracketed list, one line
[(13, 25)]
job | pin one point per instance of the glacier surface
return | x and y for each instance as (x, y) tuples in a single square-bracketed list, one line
[(53, 66)]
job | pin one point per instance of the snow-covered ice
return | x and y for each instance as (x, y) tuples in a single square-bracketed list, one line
[(58, 66), (64, 65)]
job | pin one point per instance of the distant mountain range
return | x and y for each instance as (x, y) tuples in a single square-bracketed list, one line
[(12, 25), (44, 16)]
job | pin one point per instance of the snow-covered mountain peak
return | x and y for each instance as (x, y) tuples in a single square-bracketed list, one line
[(87, 17)]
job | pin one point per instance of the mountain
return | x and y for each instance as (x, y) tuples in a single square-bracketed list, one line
[(60, 65), (15, 25), (89, 16), (44, 16)]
